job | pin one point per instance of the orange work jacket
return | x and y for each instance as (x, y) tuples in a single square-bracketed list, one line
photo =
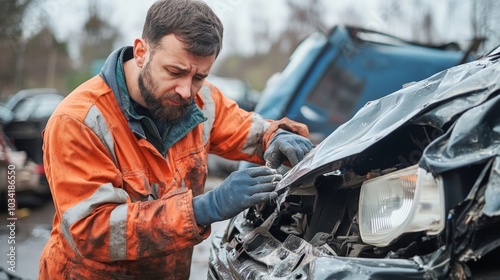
[(123, 208)]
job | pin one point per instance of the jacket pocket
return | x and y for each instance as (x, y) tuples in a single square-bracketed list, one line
[(192, 169), (140, 185)]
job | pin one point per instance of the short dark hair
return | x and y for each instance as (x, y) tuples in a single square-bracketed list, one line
[(193, 22)]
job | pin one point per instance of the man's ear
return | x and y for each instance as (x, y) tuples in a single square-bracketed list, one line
[(140, 52)]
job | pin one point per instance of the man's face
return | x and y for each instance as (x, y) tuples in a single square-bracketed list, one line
[(170, 78)]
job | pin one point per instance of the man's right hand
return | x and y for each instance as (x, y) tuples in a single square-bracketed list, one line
[(241, 190)]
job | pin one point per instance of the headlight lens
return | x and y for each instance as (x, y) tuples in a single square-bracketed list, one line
[(407, 200)]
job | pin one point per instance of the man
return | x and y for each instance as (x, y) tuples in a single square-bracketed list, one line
[(126, 152)]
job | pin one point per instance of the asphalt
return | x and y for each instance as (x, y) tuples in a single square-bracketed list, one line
[(32, 230)]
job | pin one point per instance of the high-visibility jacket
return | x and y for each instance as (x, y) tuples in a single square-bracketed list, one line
[(123, 207)]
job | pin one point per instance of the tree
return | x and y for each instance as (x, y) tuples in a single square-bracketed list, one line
[(96, 42), (273, 52), (99, 36), (11, 19), (485, 22), (47, 60), (304, 18)]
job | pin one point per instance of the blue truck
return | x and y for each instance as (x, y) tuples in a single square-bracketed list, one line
[(329, 77)]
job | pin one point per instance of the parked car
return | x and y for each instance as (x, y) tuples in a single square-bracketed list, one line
[(23, 118), (19, 97), (18, 173), (330, 77), (31, 109), (408, 188)]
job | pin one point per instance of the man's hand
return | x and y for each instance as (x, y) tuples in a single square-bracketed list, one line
[(286, 146), (241, 190)]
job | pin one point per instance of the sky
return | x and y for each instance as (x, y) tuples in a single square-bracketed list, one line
[(67, 17), (238, 17)]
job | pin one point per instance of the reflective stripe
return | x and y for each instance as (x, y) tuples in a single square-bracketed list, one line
[(104, 194), (208, 110), (254, 141), (95, 120), (118, 233)]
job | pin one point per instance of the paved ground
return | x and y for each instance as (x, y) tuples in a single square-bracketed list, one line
[(199, 267), (33, 229)]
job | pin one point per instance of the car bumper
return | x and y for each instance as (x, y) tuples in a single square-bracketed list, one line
[(256, 254)]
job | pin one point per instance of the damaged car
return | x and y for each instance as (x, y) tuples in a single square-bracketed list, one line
[(409, 188)]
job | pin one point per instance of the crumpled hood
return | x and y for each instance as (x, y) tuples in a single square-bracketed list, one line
[(435, 101)]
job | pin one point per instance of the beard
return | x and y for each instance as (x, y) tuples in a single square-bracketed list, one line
[(168, 113)]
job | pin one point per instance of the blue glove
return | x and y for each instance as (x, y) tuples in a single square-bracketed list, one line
[(242, 189), (286, 146)]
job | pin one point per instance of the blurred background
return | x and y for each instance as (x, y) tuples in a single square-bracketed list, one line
[(61, 43), (49, 47)]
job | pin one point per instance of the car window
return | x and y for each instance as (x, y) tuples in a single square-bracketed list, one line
[(23, 109), (36, 107), (337, 93), (46, 107)]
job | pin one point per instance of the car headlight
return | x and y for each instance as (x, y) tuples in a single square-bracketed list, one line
[(408, 200)]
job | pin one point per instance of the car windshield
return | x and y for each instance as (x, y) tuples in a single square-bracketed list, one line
[(36, 107), (14, 101), (303, 50), (272, 101)]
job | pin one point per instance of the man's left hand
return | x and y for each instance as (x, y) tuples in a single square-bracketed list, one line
[(286, 146)]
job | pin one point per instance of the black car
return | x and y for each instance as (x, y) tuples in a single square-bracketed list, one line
[(31, 109), (409, 188), (24, 117)]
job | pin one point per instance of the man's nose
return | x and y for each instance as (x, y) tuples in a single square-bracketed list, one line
[(184, 88)]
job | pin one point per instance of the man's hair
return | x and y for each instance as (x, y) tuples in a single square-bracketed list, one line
[(191, 21)]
